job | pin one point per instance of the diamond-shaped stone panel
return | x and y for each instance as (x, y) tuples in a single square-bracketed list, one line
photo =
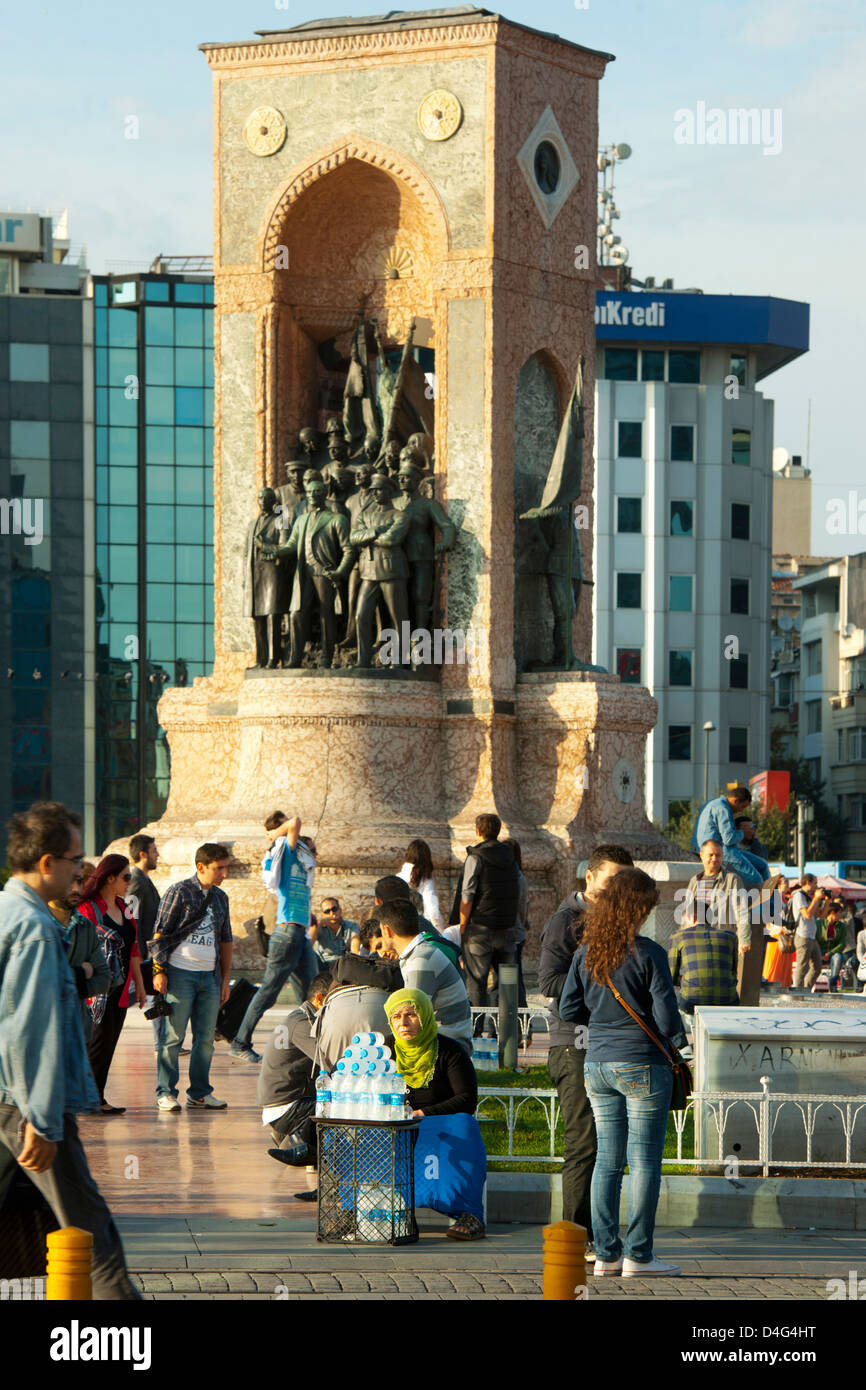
[(549, 204)]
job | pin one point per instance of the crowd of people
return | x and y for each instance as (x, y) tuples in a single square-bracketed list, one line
[(80, 943)]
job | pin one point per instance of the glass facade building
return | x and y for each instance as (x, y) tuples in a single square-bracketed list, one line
[(153, 374), (45, 407)]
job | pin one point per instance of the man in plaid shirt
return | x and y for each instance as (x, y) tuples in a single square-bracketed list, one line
[(703, 963)]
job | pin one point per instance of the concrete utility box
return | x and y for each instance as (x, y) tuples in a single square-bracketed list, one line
[(805, 1051)]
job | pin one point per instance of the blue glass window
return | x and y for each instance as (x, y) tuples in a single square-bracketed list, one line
[(159, 366), (100, 327), (620, 364), (122, 328), (124, 525), (158, 327), (159, 405), (680, 593), (679, 743), (188, 366), (102, 446), (161, 563), (100, 366), (102, 405), (189, 327), (682, 443), (680, 668), (122, 362), (189, 600), (100, 294), (189, 405), (190, 525), (123, 601), (188, 294), (682, 518), (629, 443), (684, 367), (208, 328), (190, 445), (123, 483), (160, 484), (156, 291), (190, 486), (123, 409), (160, 641), (160, 604), (190, 641), (628, 590), (122, 562), (190, 564), (160, 524), (159, 444), (122, 447)]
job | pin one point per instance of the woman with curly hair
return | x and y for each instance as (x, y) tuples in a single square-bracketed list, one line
[(417, 871), (628, 1080)]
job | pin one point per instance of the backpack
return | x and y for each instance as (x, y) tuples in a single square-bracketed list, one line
[(789, 921), (371, 971), (446, 947)]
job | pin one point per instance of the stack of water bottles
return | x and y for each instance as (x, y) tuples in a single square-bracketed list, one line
[(364, 1085), (485, 1053)]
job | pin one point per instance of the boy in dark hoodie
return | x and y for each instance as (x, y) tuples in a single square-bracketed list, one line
[(559, 941)]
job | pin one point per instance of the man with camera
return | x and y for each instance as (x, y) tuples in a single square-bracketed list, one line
[(806, 904)]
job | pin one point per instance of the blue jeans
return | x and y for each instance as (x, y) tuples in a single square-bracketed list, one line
[(630, 1102), (194, 996), (838, 963), (752, 869), (290, 952)]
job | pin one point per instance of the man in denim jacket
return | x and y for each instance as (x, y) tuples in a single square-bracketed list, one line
[(45, 1077)]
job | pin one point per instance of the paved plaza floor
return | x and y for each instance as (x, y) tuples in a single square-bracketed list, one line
[(206, 1214)]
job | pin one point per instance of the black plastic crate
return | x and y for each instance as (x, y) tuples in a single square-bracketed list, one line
[(367, 1182)]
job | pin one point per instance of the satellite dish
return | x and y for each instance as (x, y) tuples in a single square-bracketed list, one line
[(798, 623), (623, 151), (781, 459), (786, 622), (619, 255)]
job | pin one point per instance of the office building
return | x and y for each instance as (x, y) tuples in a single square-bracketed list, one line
[(153, 371), (831, 689), (46, 520), (683, 522)]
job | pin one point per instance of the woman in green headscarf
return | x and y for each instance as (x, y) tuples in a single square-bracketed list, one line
[(438, 1071), (439, 1075)]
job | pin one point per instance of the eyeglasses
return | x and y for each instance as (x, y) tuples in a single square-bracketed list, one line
[(72, 858), (329, 911)]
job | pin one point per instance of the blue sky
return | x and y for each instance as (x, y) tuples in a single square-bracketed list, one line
[(725, 218)]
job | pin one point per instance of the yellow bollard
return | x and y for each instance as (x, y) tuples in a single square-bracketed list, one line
[(564, 1261), (70, 1255)]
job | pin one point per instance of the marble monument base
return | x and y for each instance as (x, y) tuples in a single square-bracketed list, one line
[(370, 765)]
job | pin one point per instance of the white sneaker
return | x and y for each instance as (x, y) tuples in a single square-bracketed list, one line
[(602, 1267), (166, 1103), (632, 1270), (206, 1103)]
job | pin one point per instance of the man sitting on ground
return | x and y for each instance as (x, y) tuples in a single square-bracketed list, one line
[(427, 964), (286, 1090)]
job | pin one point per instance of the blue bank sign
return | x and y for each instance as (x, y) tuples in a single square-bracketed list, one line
[(736, 319)]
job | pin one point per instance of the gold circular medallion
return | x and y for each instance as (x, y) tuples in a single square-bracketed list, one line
[(439, 115), (265, 130)]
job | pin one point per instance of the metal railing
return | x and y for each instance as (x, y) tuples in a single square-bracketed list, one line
[(527, 1019), (764, 1106)]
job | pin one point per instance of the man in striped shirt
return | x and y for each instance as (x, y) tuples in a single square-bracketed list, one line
[(427, 966)]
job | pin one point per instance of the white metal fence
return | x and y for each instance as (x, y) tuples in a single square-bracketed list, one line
[(508, 1104)]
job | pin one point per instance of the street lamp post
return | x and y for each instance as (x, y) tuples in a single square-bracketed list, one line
[(709, 728)]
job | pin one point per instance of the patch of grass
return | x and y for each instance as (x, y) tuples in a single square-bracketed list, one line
[(532, 1134)]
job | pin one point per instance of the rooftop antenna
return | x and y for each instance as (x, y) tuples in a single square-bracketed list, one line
[(610, 248)]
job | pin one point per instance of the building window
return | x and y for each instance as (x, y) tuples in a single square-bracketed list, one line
[(682, 518), (813, 717), (738, 744), (739, 673), (629, 439), (784, 691), (684, 367), (741, 447), (857, 745), (628, 661), (812, 652), (29, 439), (679, 743), (652, 365), (628, 590), (682, 443), (28, 362), (740, 521), (620, 364), (629, 511), (814, 766), (737, 369), (855, 673), (739, 595), (5, 275), (840, 745), (680, 668), (680, 593)]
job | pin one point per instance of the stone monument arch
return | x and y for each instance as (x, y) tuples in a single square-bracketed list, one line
[(435, 168)]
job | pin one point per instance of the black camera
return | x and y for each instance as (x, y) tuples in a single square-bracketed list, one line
[(160, 1008)]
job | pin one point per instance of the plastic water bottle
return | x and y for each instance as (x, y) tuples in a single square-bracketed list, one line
[(397, 1097), (380, 1089), (338, 1086), (368, 1040), (363, 1098), (323, 1096)]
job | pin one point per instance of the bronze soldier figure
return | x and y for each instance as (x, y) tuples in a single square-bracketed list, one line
[(383, 567), (266, 585), (424, 514)]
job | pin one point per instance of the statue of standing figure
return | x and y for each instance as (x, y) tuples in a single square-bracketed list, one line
[(319, 543), (266, 580), (424, 513), (383, 569)]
